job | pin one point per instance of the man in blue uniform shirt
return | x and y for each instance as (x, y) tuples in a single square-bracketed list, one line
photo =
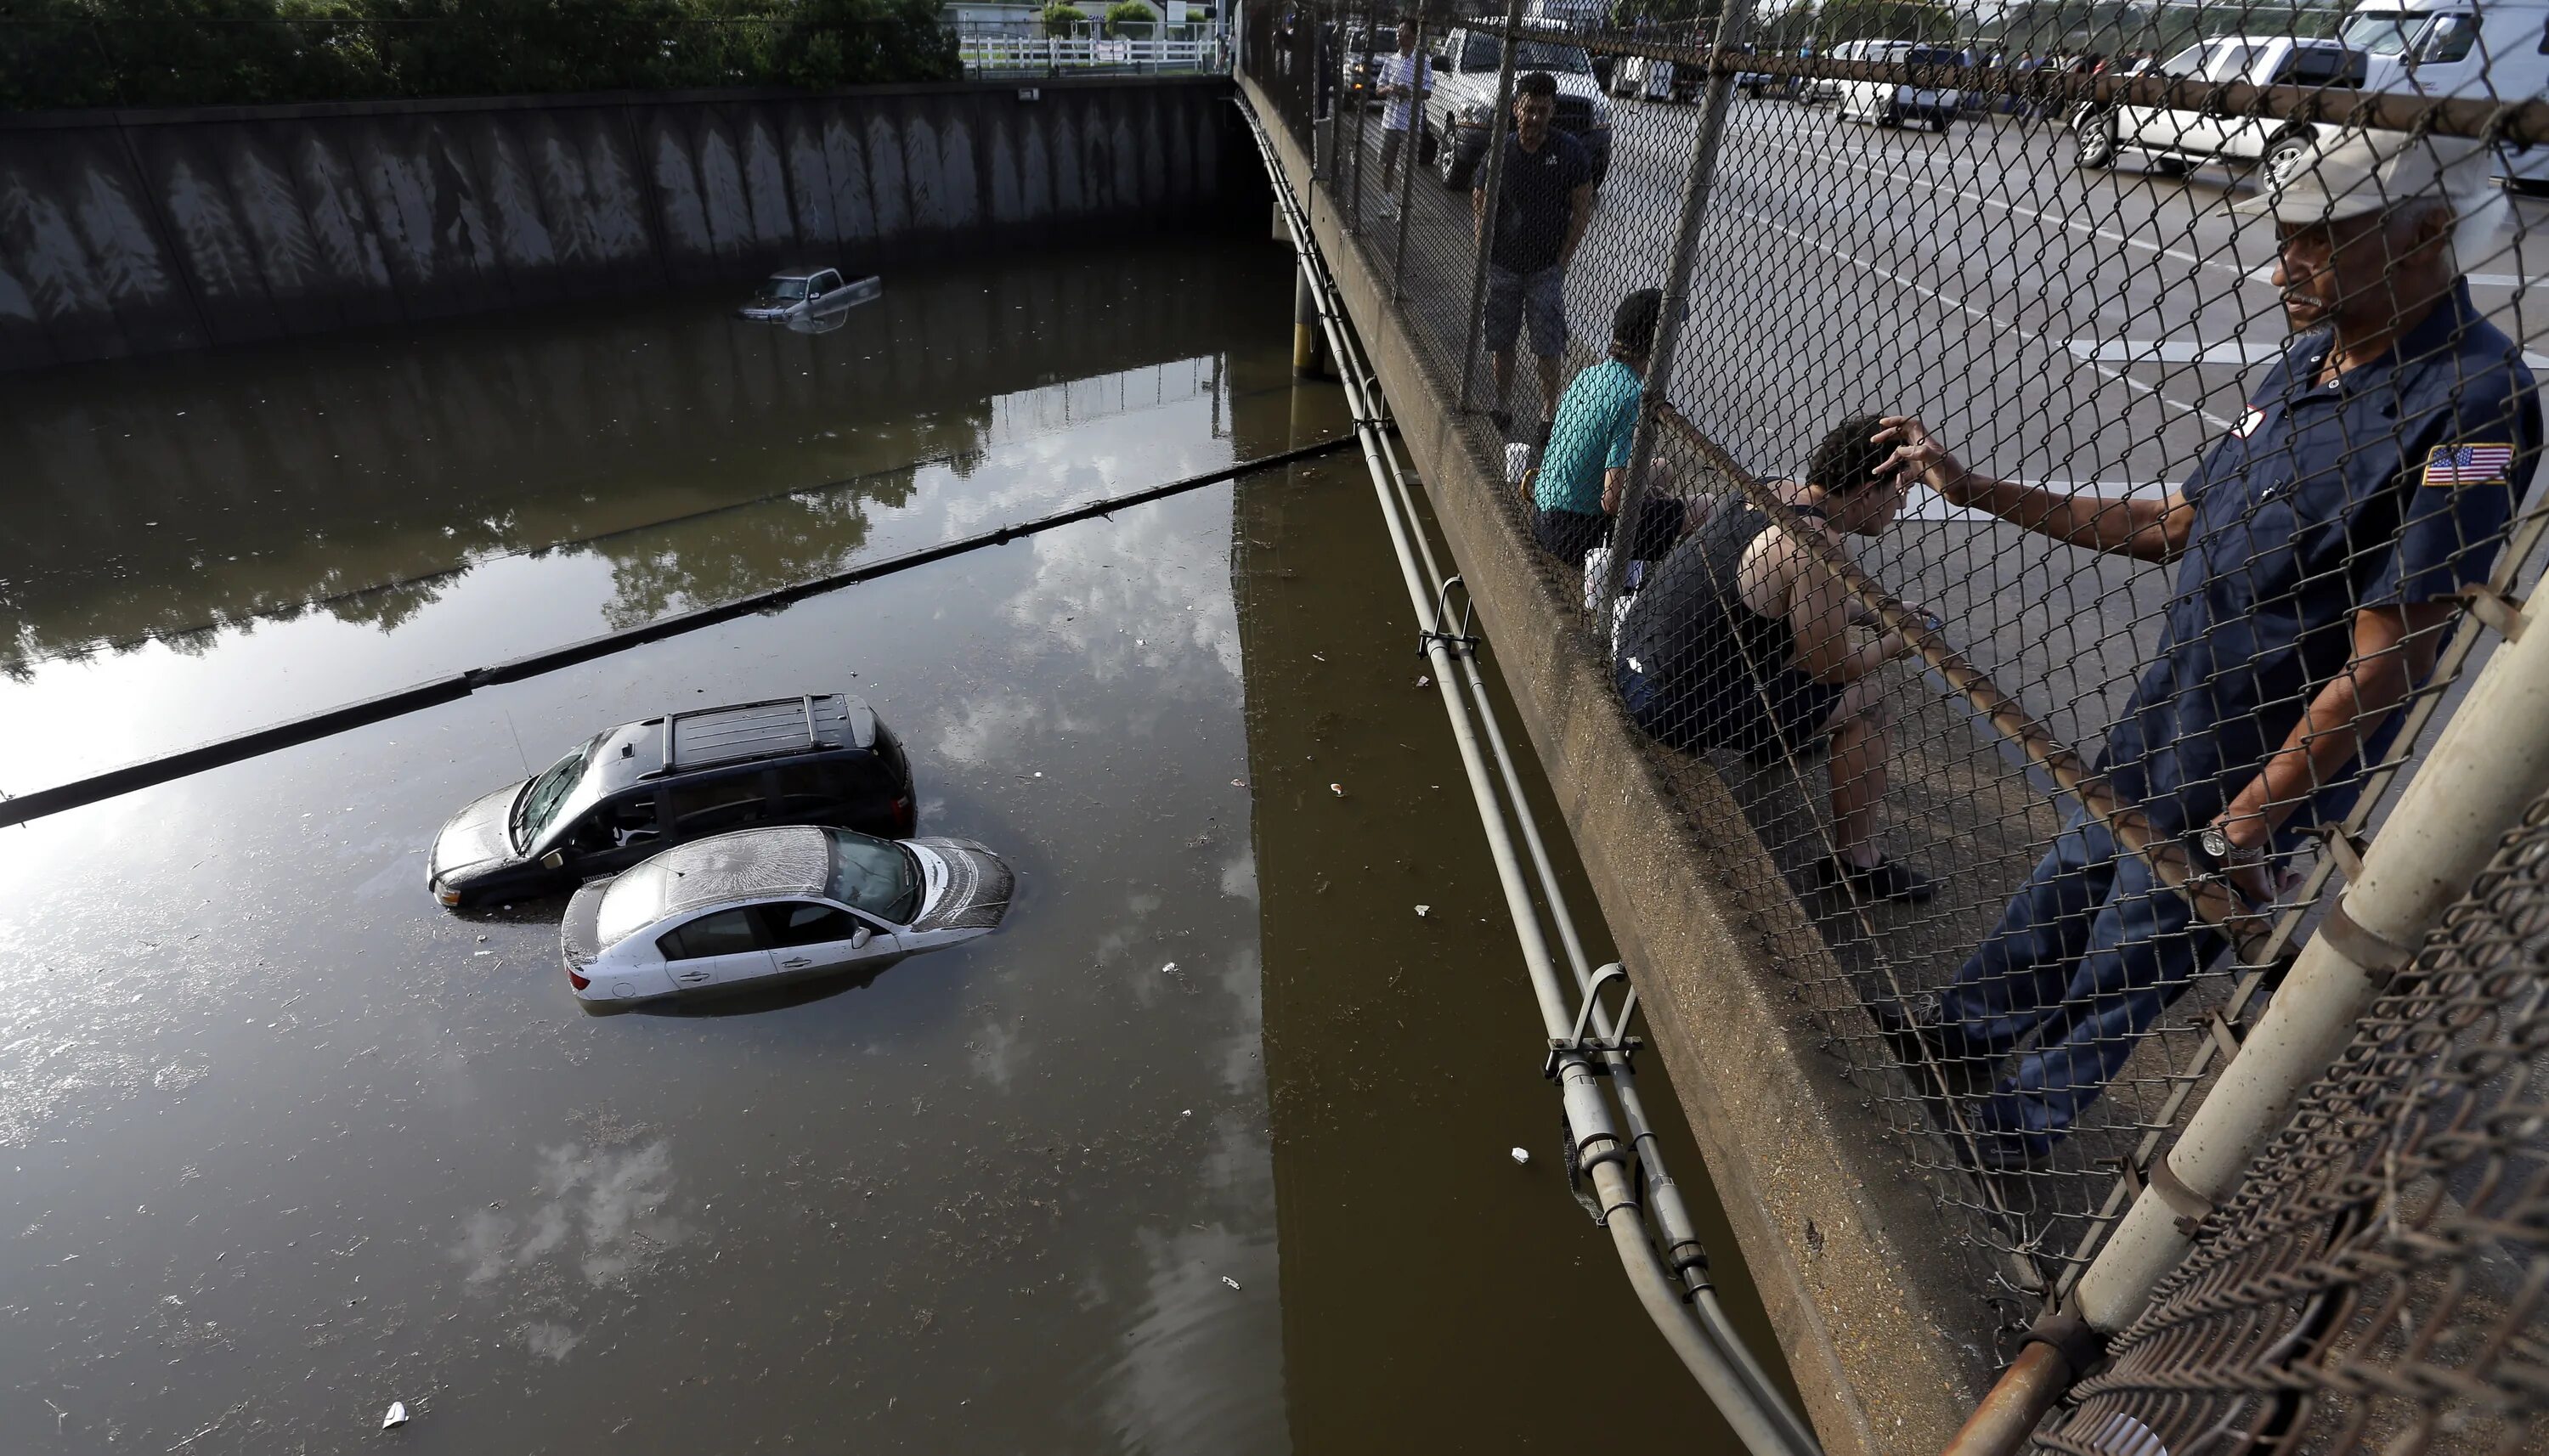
[(2318, 547)]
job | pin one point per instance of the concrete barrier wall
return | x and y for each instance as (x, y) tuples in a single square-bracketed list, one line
[(134, 232)]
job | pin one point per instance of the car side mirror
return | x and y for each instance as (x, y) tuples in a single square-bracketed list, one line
[(554, 859), (859, 937)]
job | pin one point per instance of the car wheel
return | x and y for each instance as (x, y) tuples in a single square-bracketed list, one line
[(2170, 166), (1938, 122), (1425, 148), (1892, 117), (2529, 186), (1452, 165), (2282, 155), (2094, 137)]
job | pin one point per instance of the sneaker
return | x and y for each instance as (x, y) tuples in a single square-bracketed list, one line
[(1886, 879), (1917, 1025)]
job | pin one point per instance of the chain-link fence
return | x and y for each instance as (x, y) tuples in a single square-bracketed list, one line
[(2052, 465), (2379, 1284)]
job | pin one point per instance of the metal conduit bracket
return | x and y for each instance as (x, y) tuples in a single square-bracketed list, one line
[(1453, 642), (2496, 608), (1577, 1043)]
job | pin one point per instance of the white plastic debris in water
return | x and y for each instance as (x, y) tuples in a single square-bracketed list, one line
[(1169, 970), (1424, 910), (1521, 1155), (1423, 682), (1233, 1283), (396, 1416), (1338, 789)]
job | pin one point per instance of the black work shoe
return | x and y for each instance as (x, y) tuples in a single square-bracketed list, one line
[(1994, 1153), (1502, 419), (1886, 879)]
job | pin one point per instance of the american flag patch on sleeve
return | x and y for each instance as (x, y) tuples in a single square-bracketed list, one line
[(2468, 465)]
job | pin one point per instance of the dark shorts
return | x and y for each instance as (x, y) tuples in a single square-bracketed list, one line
[(1514, 299), (1729, 711), (1569, 534)]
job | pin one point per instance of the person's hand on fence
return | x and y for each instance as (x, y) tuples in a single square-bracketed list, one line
[(1921, 456)]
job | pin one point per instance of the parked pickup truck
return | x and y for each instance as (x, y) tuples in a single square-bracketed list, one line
[(1460, 113), (2176, 140)]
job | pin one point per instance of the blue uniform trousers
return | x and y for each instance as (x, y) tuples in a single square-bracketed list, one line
[(2087, 956)]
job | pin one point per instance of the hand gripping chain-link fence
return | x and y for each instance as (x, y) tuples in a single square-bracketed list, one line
[(2052, 462), (2379, 1284)]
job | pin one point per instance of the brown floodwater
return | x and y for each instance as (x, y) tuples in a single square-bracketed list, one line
[(1206, 1150)]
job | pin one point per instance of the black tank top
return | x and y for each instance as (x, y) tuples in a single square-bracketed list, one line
[(1689, 618)]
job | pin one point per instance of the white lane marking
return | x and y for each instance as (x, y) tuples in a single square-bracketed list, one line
[(1925, 504), (1985, 315), (2242, 352), (2266, 275), (2110, 235)]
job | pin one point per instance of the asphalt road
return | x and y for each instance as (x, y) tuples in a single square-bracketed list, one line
[(2056, 324)]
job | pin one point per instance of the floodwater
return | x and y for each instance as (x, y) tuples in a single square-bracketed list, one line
[(1206, 1150)]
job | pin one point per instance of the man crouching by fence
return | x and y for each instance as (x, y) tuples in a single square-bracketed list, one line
[(1742, 639), (2319, 545)]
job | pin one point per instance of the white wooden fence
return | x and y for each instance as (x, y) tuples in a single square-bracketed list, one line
[(1015, 55)]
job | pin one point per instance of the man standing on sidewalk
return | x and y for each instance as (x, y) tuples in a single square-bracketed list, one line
[(1542, 211), (1405, 78)]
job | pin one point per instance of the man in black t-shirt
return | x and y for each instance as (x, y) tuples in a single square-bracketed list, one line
[(1545, 201)]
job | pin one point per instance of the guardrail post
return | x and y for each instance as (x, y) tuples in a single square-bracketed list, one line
[(1496, 195), (1723, 59)]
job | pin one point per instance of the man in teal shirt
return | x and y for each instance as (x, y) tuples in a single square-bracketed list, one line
[(1577, 488)]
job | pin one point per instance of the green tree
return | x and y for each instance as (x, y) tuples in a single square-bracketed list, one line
[(1064, 20), (1883, 20), (853, 42), (1130, 17)]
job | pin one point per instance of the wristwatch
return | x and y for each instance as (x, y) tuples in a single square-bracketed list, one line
[(2214, 841)]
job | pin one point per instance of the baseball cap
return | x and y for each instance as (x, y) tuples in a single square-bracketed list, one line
[(2355, 170)]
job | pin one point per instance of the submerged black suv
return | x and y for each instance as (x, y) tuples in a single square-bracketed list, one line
[(633, 790)]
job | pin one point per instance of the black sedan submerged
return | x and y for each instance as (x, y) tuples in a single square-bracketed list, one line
[(632, 790)]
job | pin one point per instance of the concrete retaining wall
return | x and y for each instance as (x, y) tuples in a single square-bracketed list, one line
[(134, 232), (1881, 1324)]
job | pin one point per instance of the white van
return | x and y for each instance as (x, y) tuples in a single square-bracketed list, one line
[(2495, 50), (1888, 104)]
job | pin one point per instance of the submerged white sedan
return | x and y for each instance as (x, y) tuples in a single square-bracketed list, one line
[(759, 907)]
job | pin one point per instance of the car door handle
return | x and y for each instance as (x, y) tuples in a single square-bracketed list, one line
[(795, 962)]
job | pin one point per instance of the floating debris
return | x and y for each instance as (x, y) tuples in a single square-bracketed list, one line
[(1521, 1155), (1423, 680), (1424, 910), (396, 1416), (1233, 1283), (1338, 789), (1169, 970)]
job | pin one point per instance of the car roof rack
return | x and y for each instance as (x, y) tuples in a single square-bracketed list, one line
[(709, 738)]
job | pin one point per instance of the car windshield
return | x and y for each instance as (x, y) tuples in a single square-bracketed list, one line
[(783, 288), (539, 802), (1548, 56), (2186, 63), (875, 874), (2380, 32)]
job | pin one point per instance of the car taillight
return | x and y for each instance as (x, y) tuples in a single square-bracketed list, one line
[(905, 818), (576, 980)]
